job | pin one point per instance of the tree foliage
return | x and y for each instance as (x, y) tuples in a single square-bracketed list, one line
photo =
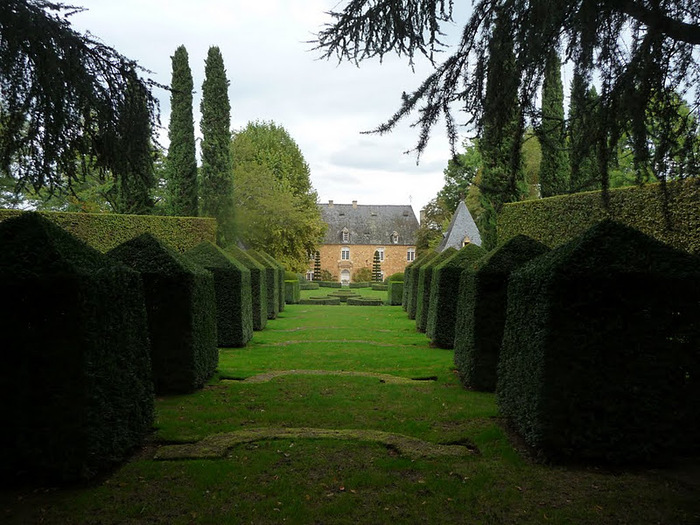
[(61, 94), (634, 49), (215, 125), (275, 203), (182, 156), (554, 169)]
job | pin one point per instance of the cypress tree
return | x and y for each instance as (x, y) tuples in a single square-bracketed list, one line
[(135, 177), (182, 156), (584, 172), (554, 177), (502, 127), (217, 168)]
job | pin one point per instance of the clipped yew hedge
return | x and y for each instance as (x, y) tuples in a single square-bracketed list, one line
[(365, 301), (334, 301), (292, 292), (234, 303), (442, 308), (279, 291), (600, 349), (556, 220), (395, 293), (75, 372), (425, 281), (481, 311), (181, 309), (258, 285), (309, 286), (413, 272), (104, 231), (272, 277)]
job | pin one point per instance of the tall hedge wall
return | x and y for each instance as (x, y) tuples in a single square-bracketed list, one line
[(234, 304), (272, 276), (411, 285), (280, 277), (258, 283), (395, 293), (481, 311), (442, 308), (599, 359), (556, 220), (425, 281), (104, 231), (75, 369), (181, 308)]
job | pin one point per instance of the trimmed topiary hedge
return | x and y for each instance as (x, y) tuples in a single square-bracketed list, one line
[(380, 287), (557, 220), (280, 277), (413, 272), (321, 300), (365, 301), (444, 291), (104, 231), (398, 276), (309, 286), (272, 277), (258, 285), (481, 311), (330, 284), (395, 293), (75, 379), (181, 308), (425, 280), (234, 304), (292, 292), (600, 349), (363, 284)]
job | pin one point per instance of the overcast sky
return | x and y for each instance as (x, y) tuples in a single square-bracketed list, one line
[(275, 75)]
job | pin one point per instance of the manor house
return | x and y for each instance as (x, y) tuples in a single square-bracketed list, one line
[(356, 231)]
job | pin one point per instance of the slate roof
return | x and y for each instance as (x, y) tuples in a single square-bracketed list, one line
[(369, 224), (461, 226)]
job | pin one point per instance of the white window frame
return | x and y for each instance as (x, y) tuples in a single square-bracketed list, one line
[(411, 254), (381, 254), (345, 253)]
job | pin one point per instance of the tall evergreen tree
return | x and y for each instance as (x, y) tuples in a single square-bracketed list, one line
[(135, 177), (502, 126), (554, 168), (584, 173), (181, 167), (217, 168)]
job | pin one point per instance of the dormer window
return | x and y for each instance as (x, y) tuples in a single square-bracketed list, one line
[(394, 238), (346, 235), (466, 241)]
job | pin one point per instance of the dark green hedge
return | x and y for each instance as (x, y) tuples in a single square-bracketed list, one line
[(272, 277), (600, 349), (104, 231), (365, 301), (181, 308), (75, 377), (556, 220), (292, 291), (330, 284), (258, 284), (411, 285), (398, 276), (444, 291), (481, 311), (380, 287), (321, 300), (309, 286), (363, 284), (395, 293), (280, 277), (234, 303), (425, 281), (343, 295)]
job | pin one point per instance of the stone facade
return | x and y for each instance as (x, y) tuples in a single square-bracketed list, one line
[(356, 231)]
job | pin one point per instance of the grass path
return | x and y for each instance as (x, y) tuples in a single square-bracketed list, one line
[(320, 419)]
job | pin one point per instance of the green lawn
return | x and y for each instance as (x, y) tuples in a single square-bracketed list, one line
[(371, 355)]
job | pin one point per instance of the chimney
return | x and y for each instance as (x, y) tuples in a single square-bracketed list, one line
[(330, 204), (354, 205)]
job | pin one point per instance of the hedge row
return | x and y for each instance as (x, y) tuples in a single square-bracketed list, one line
[(360, 285), (380, 287), (258, 284), (599, 359), (556, 220), (329, 284), (395, 293), (365, 301), (309, 286), (481, 311), (104, 231), (413, 273), (75, 379), (234, 304), (273, 284), (321, 300), (442, 306), (181, 310), (292, 291), (425, 279)]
